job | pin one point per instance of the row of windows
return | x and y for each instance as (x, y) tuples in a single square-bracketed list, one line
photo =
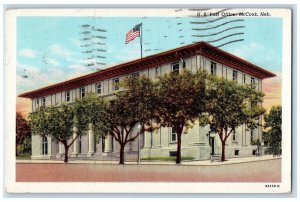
[(174, 68), (251, 136), (172, 140), (213, 71)]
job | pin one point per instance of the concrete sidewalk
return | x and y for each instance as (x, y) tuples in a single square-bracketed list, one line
[(194, 163)]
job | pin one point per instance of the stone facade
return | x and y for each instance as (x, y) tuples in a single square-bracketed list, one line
[(161, 143)]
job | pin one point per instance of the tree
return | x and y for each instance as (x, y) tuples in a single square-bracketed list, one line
[(273, 134), (257, 143), (56, 122), (90, 113), (131, 107), (229, 105), (22, 131), (181, 98)]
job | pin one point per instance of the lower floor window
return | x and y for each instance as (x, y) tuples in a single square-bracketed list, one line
[(173, 135), (251, 136), (45, 146)]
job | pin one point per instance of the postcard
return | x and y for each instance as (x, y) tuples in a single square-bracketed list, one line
[(141, 100)]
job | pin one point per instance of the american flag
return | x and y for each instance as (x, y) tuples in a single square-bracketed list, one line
[(133, 33)]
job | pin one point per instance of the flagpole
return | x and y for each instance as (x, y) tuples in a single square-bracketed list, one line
[(141, 41)]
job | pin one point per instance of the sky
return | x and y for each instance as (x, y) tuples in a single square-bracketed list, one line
[(54, 49)]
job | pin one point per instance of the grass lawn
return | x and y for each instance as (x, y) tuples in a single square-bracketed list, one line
[(23, 156)]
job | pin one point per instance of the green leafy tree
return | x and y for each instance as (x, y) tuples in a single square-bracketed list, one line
[(181, 100), (56, 122), (273, 134), (131, 107), (257, 143), (230, 105), (90, 114), (22, 133)]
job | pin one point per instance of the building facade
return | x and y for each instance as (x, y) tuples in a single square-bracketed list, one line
[(197, 144)]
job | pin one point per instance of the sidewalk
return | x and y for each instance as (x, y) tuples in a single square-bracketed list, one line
[(194, 163)]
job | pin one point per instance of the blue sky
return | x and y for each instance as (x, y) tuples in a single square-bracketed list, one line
[(49, 48)]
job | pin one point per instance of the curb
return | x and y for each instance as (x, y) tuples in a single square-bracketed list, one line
[(148, 163)]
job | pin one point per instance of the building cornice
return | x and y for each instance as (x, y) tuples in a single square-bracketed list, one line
[(200, 48)]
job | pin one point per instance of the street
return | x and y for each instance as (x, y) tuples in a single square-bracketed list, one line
[(259, 171)]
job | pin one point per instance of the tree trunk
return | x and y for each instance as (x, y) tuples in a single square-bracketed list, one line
[(64, 142), (178, 157), (66, 154), (223, 151), (122, 154)]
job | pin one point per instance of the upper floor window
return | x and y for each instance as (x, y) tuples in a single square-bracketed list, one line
[(252, 81), (98, 88), (82, 92), (233, 136), (175, 67), (173, 135), (234, 75), (135, 75), (244, 78), (213, 68), (67, 96), (37, 102), (116, 84), (156, 71), (43, 101)]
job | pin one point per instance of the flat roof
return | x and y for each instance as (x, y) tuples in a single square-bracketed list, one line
[(199, 48)]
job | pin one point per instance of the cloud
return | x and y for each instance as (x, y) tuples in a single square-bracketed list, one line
[(77, 67), (51, 61), (272, 87), (76, 42), (60, 51), (23, 106), (30, 77), (128, 53), (28, 53)]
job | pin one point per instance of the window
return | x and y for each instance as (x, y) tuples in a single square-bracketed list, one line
[(67, 96), (156, 71), (234, 75), (82, 92), (233, 136), (173, 135), (95, 144), (252, 81), (98, 88), (251, 136), (103, 144), (244, 79), (37, 102), (175, 67), (236, 152), (213, 68), (45, 146), (43, 101), (116, 84), (135, 75)]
